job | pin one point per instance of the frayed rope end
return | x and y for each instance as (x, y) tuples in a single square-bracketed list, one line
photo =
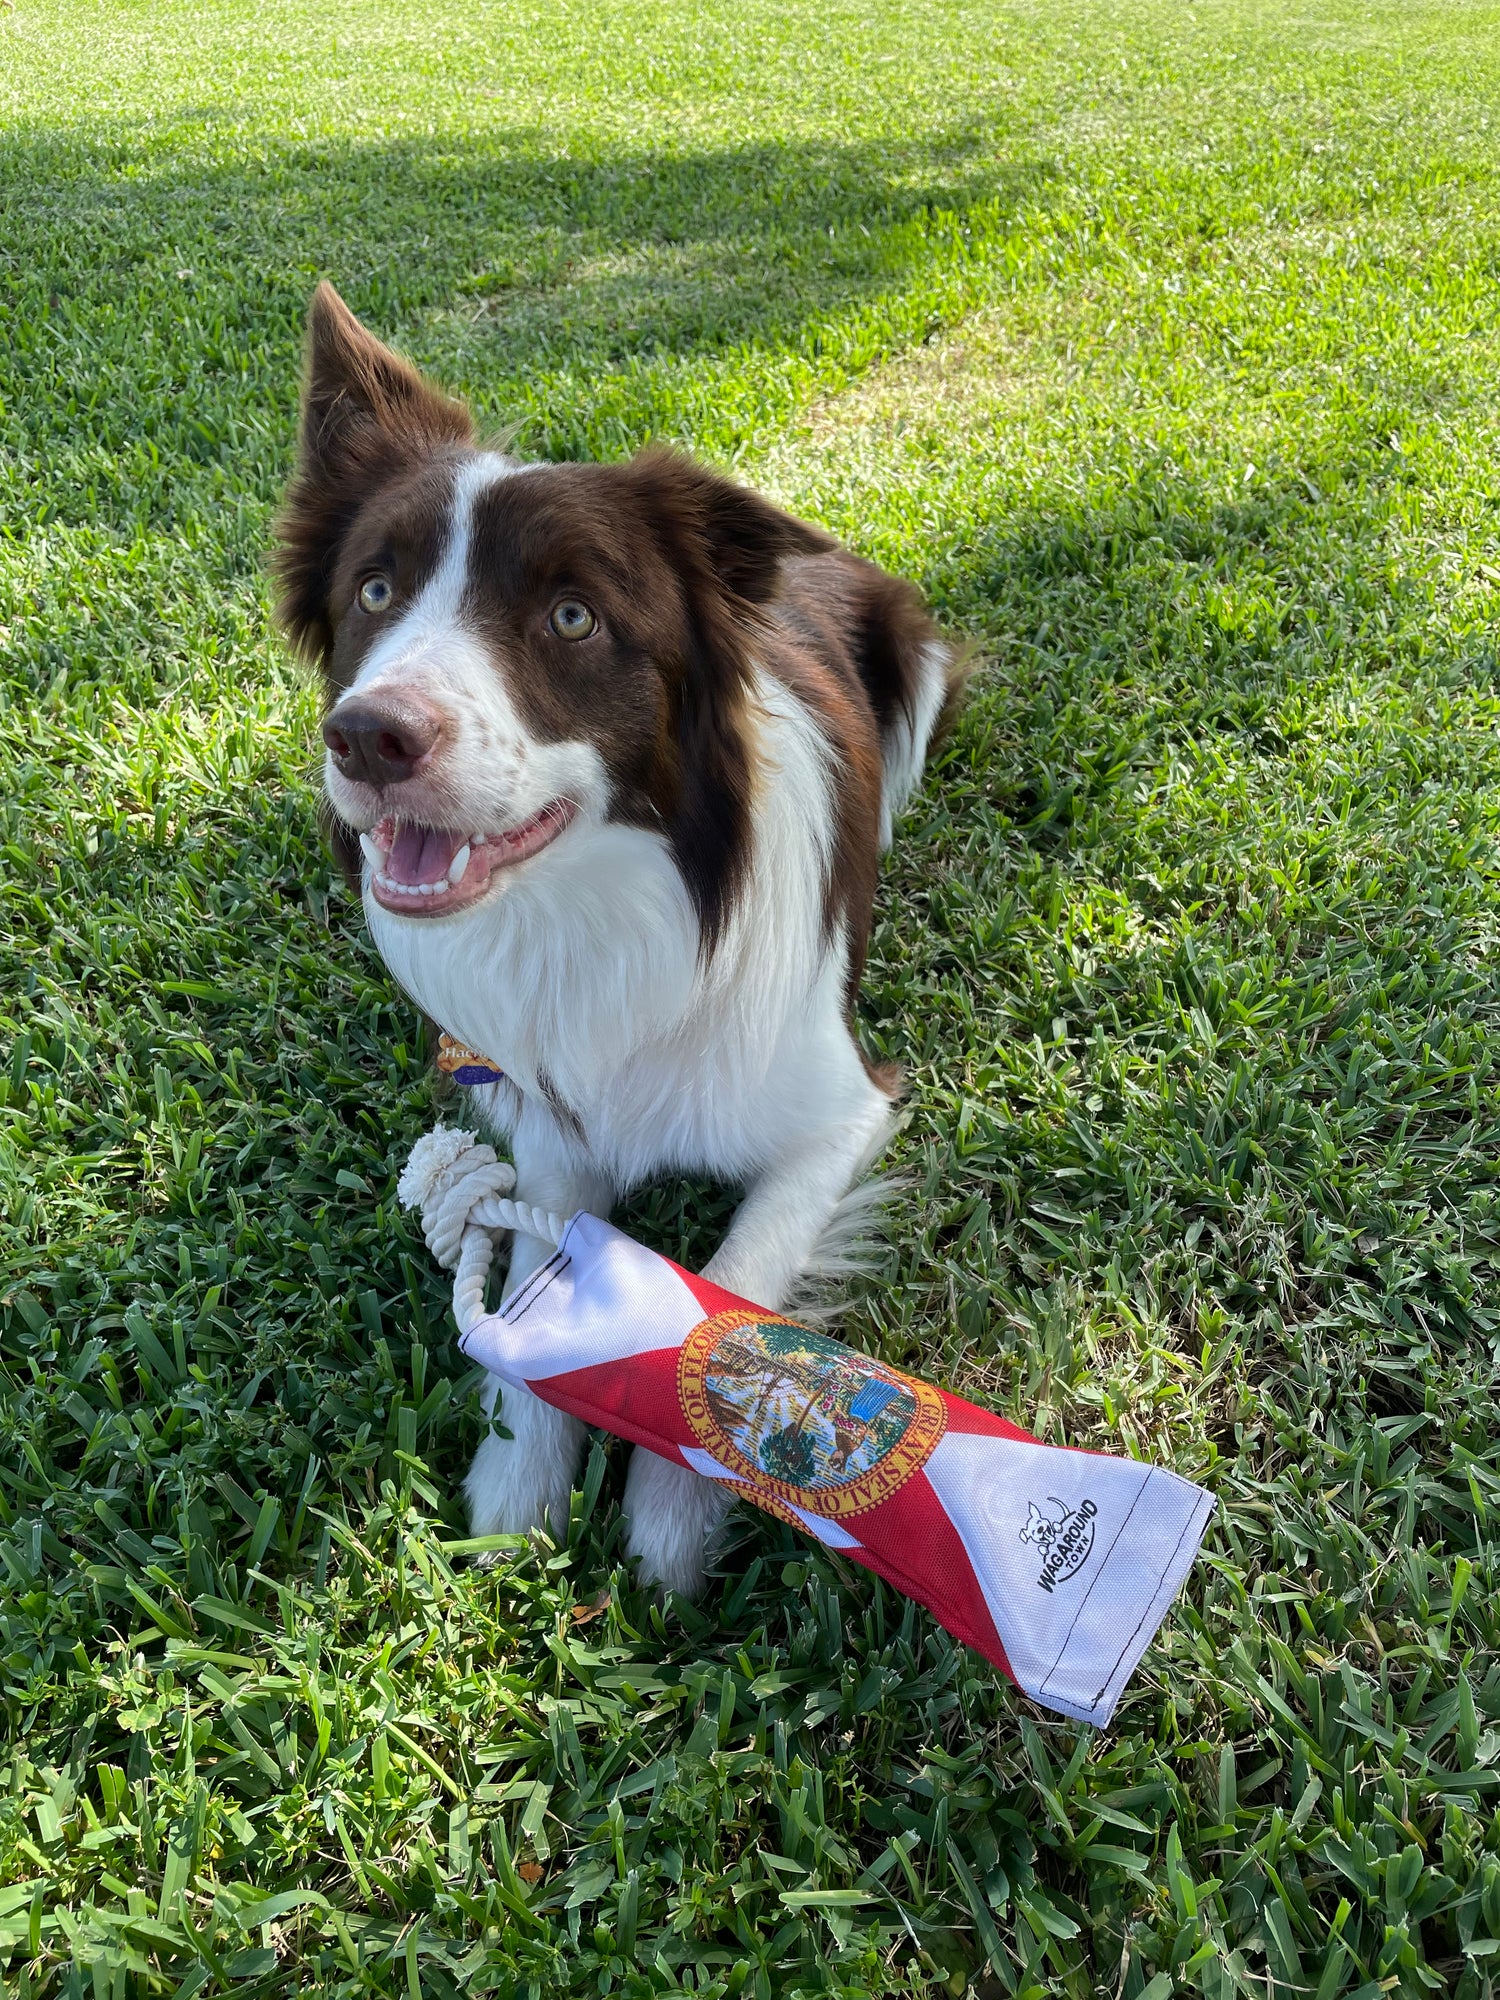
[(430, 1160)]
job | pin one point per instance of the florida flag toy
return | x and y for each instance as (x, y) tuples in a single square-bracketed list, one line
[(1057, 1565)]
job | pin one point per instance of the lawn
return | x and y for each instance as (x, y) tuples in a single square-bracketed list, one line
[(1161, 344)]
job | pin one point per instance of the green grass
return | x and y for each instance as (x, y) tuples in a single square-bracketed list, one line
[(1161, 344)]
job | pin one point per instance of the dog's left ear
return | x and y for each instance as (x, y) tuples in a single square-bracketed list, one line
[(367, 415), (743, 539)]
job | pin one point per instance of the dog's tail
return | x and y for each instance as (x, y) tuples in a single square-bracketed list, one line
[(915, 679)]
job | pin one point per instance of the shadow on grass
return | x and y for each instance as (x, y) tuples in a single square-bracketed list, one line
[(176, 265)]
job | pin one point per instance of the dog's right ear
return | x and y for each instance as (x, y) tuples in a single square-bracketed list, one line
[(362, 405), (367, 415)]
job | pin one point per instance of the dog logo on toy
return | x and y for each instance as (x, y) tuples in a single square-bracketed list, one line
[(804, 1420), (1066, 1539)]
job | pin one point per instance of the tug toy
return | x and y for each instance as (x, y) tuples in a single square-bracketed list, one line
[(1057, 1565)]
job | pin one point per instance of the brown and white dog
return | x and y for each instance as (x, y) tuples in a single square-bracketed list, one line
[(621, 745)]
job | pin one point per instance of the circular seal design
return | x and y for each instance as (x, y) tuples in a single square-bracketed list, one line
[(801, 1420)]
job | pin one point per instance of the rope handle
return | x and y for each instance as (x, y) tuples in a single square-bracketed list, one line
[(461, 1188)]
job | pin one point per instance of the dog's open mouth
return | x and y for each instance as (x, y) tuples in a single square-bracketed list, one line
[(430, 871)]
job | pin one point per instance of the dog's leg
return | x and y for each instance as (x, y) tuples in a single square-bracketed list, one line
[(523, 1481), (777, 1226), (672, 1512)]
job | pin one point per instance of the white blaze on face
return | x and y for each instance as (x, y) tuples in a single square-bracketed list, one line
[(488, 771)]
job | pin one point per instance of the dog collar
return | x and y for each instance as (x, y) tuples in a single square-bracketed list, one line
[(467, 1067)]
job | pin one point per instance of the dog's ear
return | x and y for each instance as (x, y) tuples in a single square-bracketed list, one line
[(743, 538), (366, 416), (363, 405)]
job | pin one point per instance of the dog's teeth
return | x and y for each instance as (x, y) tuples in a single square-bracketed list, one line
[(372, 853), (458, 864), (478, 839)]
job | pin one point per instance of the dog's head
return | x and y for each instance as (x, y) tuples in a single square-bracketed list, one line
[(514, 654)]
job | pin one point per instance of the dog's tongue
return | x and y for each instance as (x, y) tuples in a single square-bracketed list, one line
[(421, 854)]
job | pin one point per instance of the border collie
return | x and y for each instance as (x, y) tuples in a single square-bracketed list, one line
[(614, 750)]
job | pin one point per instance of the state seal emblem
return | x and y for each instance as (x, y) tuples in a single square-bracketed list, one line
[(803, 1420)]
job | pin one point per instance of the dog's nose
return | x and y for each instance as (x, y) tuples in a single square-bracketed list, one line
[(380, 742)]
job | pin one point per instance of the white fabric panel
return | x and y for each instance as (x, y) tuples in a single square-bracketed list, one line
[(830, 1533), (601, 1297), (1078, 1557), (704, 1462)]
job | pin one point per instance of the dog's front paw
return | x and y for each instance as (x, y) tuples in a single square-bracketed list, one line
[(671, 1515), (512, 1488), (667, 1558)]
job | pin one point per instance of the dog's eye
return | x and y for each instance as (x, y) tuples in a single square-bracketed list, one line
[(572, 619), (375, 593)]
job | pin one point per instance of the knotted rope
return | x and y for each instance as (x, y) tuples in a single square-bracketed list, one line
[(459, 1186)]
